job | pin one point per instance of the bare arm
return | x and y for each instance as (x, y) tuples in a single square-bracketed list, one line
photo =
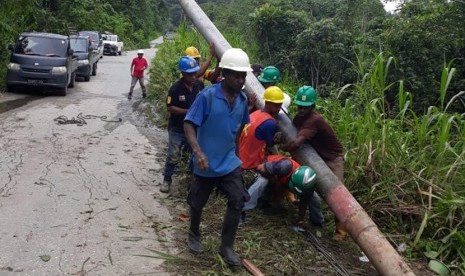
[(293, 144), (238, 136), (176, 110), (207, 62), (191, 137), (216, 73)]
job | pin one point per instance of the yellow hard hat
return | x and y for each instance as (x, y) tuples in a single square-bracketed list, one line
[(273, 94), (192, 52)]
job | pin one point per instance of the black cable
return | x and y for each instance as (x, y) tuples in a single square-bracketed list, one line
[(80, 120)]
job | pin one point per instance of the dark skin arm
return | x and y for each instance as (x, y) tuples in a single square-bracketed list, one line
[(238, 135), (215, 74), (206, 64), (191, 137), (176, 110), (302, 210), (294, 144), (252, 99)]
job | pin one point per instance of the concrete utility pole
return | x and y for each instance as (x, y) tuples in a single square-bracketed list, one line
[(359, 225)]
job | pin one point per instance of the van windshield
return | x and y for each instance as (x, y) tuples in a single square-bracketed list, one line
[(42, 46), (79, 45), (94, 37)]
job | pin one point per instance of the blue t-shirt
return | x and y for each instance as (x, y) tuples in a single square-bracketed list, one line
[(266, 131), (217, 127)]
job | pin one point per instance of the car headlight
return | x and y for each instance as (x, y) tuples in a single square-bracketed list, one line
[(59, 70), (83, 61), (14, 67)]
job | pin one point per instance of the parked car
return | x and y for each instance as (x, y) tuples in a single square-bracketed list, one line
[(87, 58), (42, 60), (112, 44), (96, 39), (169, 35)]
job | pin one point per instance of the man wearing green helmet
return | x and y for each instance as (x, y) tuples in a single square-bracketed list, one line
[(313, 128), (269, 76), (286, 175)]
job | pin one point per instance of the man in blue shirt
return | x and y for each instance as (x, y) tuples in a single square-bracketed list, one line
[(212, 127)]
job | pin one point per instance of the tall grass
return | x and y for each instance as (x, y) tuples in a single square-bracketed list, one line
[(407, 166)]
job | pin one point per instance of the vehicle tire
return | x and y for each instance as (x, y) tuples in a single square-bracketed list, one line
[(119, 53), (10, 88), (63, 91), (94, 69), (73, 80)]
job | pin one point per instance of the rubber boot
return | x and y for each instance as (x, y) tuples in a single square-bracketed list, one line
[(228, 235), (340, 232), (193, 241)]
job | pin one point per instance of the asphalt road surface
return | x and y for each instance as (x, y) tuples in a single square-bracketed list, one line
[(81, 200)]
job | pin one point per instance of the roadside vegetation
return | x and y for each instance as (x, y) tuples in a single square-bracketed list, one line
[(403, 133)]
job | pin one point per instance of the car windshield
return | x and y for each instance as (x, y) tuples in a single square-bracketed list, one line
[(94, 37), (111, 37), (79, 45), (42, 46)]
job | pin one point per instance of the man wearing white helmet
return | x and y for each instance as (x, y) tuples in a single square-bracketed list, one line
[(212, 127), (138, 66)]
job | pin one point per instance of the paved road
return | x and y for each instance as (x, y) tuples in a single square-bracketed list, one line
[(81, 200)]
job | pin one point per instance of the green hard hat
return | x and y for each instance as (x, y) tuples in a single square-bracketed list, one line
[(306, 96), (270, 74), (303, 179)]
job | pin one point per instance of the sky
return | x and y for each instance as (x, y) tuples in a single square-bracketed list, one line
[(390, 6)]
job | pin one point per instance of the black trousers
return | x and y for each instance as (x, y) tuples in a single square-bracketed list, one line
[(231, 184)]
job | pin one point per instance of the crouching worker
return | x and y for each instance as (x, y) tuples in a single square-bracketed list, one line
[(287, 176)]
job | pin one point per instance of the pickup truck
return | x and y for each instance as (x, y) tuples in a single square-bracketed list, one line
[(112, 45), (42, 60)]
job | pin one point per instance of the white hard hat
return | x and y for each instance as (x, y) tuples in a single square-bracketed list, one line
[(235, 59), (140, 52), (286, 103)]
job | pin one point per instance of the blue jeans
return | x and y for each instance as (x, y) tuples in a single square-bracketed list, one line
[(134, 80), (255, 191), (314, 201), (314, 207), (177, 144)]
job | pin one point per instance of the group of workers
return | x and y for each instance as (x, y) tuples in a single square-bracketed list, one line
[(225, 134)]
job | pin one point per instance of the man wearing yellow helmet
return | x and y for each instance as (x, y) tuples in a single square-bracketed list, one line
[(256, 141), (257, 137), (195, 54)]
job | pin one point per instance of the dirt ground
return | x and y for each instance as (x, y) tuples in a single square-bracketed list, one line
[(84, 199)]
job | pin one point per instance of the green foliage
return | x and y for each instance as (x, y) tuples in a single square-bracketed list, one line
[(323, 51), (407, 166), (276, 30), (422, 37)]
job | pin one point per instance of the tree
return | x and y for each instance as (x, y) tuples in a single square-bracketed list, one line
[(423, 37)]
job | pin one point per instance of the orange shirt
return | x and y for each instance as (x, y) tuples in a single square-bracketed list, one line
[(251, 150)]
